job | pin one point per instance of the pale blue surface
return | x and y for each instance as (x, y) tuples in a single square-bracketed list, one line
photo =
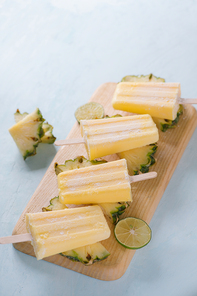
[(53, 55)]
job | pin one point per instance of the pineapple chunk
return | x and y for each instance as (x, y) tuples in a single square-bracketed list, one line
[(139, 159), (88, 254), (28, 132), (47, 137)]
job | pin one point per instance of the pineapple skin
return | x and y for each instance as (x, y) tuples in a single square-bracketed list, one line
[(144, 168), (40, 135)]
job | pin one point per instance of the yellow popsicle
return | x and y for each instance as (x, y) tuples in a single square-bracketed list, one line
[(108, 182), (113, 135), (157, 99), (59, 231)]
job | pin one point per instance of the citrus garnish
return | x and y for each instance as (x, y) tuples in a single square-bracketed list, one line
[(142, 78), (132, 233), (90, 110)]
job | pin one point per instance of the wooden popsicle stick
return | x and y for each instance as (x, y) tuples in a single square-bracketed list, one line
[(188, 101), (69, 142), (16, 238), (142, 177)]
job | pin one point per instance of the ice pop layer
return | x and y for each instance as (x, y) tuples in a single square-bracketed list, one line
[(59, 231), (157, 99), (103, 183), (113, 135)]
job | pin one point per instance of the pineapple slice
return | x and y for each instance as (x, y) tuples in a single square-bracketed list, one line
[(88, 254), (165, 124), (114, 210), (47, 137), (139, 159), (77, 163), (142, 78), (27, 133)]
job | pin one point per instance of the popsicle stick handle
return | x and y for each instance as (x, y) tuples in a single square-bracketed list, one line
[(69, 142), (143, 177), (188, 101), (19, 238)]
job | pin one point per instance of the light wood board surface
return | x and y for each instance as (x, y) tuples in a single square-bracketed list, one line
[(146, 195)]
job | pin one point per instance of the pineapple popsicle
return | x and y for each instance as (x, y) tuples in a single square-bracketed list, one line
[(59, 231), (157, 99), (108, 182), (112, 135)]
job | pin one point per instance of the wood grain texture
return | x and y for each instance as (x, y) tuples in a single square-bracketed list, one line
[(146, 194)]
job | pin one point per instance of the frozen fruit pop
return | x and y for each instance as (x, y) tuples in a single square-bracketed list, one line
[(157, 99), (103, 183), (63, 230), (112, 135)]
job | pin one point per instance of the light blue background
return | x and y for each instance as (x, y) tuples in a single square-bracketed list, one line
[(53, 55)]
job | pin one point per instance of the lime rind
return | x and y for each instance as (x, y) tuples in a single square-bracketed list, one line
[(132, 233), (91, 110)]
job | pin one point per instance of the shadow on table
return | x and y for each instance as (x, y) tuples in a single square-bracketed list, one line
[(44, 156)]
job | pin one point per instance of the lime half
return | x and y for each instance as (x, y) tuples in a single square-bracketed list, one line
[(132, 233), (90, 110), (142, 78)]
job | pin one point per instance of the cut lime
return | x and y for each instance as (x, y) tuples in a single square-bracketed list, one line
[(142, 78), (132, 233), (90, 110)]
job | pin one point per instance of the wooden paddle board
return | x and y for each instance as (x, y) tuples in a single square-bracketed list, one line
[(146, 195)]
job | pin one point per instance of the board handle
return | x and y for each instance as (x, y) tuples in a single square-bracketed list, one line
[(69, 142), (142, 177), (188, 101), (19, 238)]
